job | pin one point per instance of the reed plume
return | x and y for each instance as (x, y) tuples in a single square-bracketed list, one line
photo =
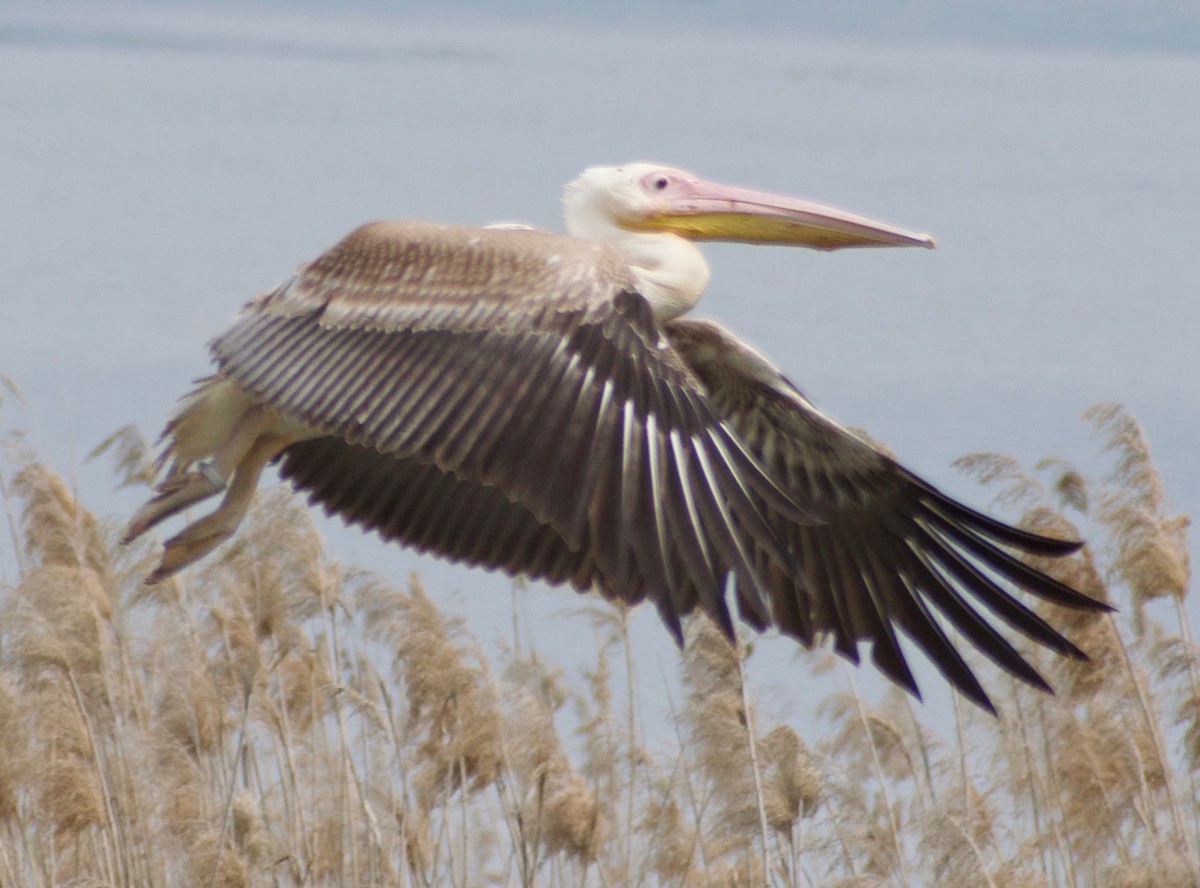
[(275, 718)]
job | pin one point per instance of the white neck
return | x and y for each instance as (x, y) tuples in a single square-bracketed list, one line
[(670, 271)]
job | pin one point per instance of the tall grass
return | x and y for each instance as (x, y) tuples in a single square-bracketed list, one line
[(274, 718)]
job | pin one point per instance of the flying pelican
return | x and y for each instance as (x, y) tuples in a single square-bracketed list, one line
[(536, 403)]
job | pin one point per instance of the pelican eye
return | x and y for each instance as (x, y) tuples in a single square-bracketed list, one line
[(661, 182)]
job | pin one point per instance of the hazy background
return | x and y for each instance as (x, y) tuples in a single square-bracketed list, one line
[(160, 164)]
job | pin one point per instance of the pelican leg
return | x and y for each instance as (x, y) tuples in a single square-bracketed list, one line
[(174, 495), (181, 489), (202, 536)]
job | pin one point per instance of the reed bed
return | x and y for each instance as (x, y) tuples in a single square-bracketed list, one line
[(275, 718)]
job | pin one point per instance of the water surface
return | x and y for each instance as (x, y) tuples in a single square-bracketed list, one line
[(161, 165)]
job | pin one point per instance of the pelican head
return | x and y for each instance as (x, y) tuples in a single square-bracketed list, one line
[(652, 213)]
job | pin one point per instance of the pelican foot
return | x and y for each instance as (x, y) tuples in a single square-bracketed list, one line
[(193, 543), (174, 494)]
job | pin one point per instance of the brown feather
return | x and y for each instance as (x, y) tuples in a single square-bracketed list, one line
[(890, 546), (507, 399), (433, 511), (522, 362)]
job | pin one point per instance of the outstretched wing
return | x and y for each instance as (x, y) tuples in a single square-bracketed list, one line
[(523, 362), (890, 551)]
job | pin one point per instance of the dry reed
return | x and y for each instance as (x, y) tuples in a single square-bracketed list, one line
[(274, 718)]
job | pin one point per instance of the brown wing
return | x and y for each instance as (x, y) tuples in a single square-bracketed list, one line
[(891, 550), (525, 362), (419, 505)]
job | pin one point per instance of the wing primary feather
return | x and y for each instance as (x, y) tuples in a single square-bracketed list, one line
[(890, 601), (751, 603), (841, 599), (669, 460), (670, 617), (791, 608), (922, 626), (604, 509), (747, 609), (1034, 543), (816, 543), (638, 385), (665, 400), (999, 602), (1007, 565), (966, 620)]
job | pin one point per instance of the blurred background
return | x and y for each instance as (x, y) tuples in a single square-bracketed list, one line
[(162, 163)]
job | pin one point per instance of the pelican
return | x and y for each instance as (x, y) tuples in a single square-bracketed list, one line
[(537, 403)]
